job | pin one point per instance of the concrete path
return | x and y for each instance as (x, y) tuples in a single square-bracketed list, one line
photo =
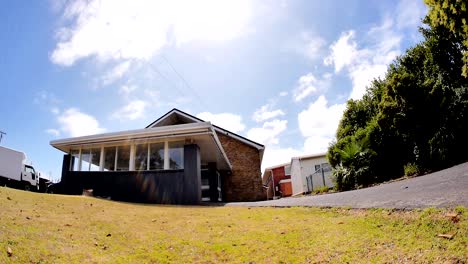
[(446, 188)]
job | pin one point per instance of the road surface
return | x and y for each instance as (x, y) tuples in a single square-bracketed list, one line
[(446, 188)]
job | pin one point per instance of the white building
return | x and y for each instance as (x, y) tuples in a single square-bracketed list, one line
[(309, 173)]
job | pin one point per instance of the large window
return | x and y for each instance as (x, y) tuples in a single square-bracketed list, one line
[(141, 157), (85, 159), (123, 158), (109, 158), (176, 155), (75, 159), (154, 156), (90, 159), (95, 158)]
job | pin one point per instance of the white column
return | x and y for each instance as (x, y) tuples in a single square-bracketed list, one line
[(166, 155), (101, 159), (79, 160), (116, 156), (132, 157)]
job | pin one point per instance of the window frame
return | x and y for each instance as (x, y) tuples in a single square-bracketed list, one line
[(77, 153)]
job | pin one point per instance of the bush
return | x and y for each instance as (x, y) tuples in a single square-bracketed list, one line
[(411, 169), (322, 189), (344, 179)]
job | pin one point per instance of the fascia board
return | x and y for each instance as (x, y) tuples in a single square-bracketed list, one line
[(139, 133)]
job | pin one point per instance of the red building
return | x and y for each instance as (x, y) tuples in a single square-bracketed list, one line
[(277, 181)]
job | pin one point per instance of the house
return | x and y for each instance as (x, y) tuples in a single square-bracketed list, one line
[(277, 181), (309, 173), (177, 159)]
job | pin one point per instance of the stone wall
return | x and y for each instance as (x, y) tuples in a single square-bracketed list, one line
[(245, 182)]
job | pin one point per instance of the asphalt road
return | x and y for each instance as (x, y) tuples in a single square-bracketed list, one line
[(446, 188)]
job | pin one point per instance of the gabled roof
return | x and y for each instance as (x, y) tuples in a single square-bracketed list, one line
[(176, 116)]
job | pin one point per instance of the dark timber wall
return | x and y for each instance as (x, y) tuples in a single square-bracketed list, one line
[(167, 186)]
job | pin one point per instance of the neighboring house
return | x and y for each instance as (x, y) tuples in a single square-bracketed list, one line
[(309, 173), (178, 159), (277, 181)]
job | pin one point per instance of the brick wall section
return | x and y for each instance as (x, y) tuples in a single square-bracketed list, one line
[(245, 182), (278, 175)]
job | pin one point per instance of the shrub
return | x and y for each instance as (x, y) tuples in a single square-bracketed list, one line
[(411, 169), (322, 189)]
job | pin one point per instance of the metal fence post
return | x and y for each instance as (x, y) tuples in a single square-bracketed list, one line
[(323, 178)]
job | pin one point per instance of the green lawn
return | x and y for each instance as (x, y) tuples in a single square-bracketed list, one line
[(45, 228)]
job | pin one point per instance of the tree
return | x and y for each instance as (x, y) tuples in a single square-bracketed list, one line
[(453, 15), (417, 114)]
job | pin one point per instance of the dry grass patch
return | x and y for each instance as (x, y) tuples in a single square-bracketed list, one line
[(43, 228)]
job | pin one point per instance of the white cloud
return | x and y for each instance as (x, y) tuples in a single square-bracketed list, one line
[(53, 132), (55, 110), (343, 51), (231, 122), (308, 85), (318, 124), (127, 89), (120, 29), (365, 64), (116, 73), (268, 133), (133, 110), (75, 123), (313, 45), (266, 112), (409, 13), (283, 93), (275, 155), (317, 144)]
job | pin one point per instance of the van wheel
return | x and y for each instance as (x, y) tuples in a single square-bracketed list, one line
[(27, 187)]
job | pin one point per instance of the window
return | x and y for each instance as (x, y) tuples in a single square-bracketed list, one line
[(141, 157), (29, 169), (74, 160), (85, 159), (287, 170), (176, 155), (326, 167), (156, 156), (109, 158), (317, 167), (123, 158), (95, 158)]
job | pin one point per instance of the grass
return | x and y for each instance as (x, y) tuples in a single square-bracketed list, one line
[(45, 228)]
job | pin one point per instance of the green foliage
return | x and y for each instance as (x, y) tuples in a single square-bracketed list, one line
[(411, 169), (453, 15), (322, 189), (416, 118)]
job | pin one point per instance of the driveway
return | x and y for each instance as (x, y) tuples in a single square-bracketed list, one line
[(446, 188)]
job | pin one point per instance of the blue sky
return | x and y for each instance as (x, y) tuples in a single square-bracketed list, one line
[(278, 72)]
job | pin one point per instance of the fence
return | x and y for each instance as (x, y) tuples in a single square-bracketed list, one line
[(321, 177)]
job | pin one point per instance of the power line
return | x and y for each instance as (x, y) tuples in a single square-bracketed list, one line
[(184, 81)]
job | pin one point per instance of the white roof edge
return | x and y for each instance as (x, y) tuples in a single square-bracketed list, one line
[(240, 138), (165, 130), (173, 111), (220, 146), (278, 166), (310, 156)]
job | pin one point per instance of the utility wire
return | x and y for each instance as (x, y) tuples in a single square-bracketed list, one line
[(185, 82)]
